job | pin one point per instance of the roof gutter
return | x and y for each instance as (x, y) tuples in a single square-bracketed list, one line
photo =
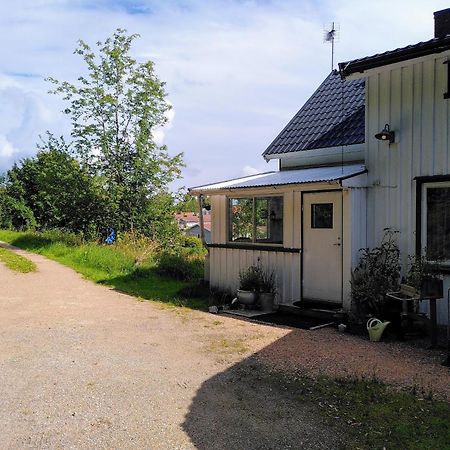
[(410, 52)]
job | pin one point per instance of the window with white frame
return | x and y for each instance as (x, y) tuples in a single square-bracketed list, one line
[(436, 220), (256, 220)]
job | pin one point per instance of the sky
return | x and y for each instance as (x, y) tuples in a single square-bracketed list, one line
[(236, 71)]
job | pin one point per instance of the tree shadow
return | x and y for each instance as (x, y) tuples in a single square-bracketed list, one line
[(250, 406), (146, 283)]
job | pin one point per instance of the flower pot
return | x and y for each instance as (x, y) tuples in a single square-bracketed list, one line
[(246, 297), (266, 300)]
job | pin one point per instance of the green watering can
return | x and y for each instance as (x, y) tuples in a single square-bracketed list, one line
[(375, 327)]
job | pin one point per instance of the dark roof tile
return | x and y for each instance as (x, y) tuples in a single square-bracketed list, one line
[(332, 116)]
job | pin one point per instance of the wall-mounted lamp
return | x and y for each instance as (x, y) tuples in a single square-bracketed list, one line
[(386, 134)]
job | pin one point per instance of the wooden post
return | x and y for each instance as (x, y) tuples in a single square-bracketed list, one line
[(433, 319), (202, 236), (202, 227)]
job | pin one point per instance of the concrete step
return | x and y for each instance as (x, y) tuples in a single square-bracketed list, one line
[(334, 314)]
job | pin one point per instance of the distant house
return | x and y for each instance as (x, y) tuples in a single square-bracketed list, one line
[(194, 230), (189, 223), (339, 186)]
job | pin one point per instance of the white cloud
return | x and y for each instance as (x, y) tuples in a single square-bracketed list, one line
[(159, 133), (25, 114), (236, 71), (6, 148)]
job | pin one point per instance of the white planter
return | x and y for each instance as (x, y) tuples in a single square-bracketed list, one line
[(246, 297)]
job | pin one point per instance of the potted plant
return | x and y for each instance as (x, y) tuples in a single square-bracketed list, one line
[(249, 283), (424, 275), (267, 290), (377, 273)]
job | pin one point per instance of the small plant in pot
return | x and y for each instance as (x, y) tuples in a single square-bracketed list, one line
[(267, 291), (424, 275), (249, 284)]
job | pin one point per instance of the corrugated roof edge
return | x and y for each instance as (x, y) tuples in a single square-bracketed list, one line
[(435, 45), (249, 177), (341, 177)]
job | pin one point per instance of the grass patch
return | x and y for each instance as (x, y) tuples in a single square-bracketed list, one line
[(228, 346), (16, 262), (118, 266), (375, 416)]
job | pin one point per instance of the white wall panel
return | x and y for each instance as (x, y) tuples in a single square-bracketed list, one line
[(409, 97), (226, 264)]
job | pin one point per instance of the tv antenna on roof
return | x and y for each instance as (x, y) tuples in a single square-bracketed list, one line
[(331, 34)]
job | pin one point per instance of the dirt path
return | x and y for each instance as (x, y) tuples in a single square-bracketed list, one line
[(83, 366)]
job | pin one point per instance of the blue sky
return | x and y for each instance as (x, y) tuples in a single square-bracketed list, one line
[(236, 70)]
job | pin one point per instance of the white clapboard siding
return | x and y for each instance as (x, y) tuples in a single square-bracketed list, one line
[(226, 264), (409, 97)]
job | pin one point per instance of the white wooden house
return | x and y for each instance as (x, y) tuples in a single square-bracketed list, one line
[(339, 186)]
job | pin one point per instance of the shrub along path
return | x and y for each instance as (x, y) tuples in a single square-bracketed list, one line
[(84, 366)]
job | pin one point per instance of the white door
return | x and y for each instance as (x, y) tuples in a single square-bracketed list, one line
[(322, 246)]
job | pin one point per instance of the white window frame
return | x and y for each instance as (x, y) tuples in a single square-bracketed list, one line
[(425, 186), (254, 242)]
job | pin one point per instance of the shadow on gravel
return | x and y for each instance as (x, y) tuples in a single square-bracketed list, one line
[(147, 284), (249, 407)]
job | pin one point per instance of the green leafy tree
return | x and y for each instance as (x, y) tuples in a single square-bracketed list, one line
[(55, 190), (187, 203), (114, 110), (14, 213)]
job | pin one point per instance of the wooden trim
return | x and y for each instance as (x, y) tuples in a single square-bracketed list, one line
[(258, 247), (253, 198), (447, 94), (432, 178), (444, 269), (418, 218)]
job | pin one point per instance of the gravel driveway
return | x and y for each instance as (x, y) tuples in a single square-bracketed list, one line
[(84, 366)]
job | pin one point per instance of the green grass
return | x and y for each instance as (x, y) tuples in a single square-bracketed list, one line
[(16, 262), (375, 416), (111, 265)]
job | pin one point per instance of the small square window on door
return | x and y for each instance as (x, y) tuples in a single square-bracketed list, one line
[(322, 215)]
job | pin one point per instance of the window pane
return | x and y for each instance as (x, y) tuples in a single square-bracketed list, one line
[(241, 219), (269, 220), (438, 222), (322, 215), (276, 220), (262, 219)]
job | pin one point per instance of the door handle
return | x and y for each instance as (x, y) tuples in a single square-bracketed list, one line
[(338, 244)]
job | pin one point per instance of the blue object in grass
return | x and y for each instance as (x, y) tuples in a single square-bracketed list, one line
[(111, 236)]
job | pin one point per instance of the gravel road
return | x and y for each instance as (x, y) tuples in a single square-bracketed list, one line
[(83, 366)]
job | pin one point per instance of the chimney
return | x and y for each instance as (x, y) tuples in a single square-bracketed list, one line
[(442, 23)]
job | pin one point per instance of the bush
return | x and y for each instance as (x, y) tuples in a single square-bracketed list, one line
[(377, 273), (15, 214), (192, 245), (137, 246), (181, 267)]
